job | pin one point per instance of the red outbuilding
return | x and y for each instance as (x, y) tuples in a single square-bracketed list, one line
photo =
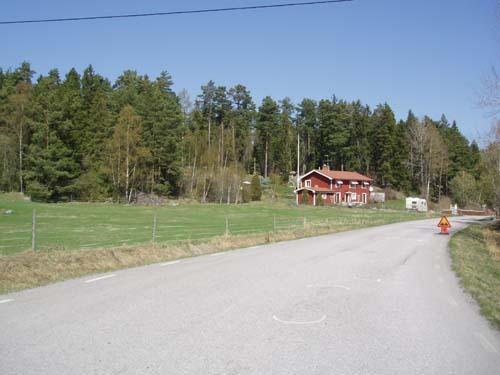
[(335, 187)]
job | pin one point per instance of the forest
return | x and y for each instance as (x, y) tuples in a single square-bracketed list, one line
[(83, 137)]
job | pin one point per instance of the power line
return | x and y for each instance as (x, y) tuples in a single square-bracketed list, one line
[(136, 15)]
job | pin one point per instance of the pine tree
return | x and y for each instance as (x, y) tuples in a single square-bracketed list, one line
[(267, 123), (307, 124), (255, 188), (383, 144)]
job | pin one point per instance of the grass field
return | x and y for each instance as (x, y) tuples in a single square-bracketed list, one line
[(73, 226), (475, 252)]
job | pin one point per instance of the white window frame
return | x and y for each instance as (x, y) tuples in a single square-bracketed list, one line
[(308, 183)]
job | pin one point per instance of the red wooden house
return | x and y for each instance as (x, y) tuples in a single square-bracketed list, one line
[(335, 187)]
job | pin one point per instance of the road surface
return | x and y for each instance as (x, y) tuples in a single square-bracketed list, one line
[(374, 301)]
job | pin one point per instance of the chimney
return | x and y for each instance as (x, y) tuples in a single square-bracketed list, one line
[(325, 167)]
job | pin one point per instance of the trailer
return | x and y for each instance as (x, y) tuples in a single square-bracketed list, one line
[(416, 204)]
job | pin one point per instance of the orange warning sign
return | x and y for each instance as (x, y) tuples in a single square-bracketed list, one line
[(444, 222)]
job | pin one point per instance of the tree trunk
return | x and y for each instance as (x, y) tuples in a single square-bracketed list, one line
[(209, 127), (193, 174), (265, 159), (127, 166)]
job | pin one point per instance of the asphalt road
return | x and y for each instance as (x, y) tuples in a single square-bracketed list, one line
[(374, 301)]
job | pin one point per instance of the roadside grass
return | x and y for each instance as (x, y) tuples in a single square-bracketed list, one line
[(475, 254)]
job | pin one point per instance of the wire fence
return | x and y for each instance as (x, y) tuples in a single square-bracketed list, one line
[(43, 234)]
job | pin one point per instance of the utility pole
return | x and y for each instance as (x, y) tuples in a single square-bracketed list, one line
[(298, 160)]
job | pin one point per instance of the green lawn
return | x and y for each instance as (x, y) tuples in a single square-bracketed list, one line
[(70, 226)]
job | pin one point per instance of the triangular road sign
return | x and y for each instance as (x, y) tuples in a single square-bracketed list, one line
[(444, 222)]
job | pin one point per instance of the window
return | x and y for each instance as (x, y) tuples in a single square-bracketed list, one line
[(308, 183), (353, 184), (337, 198)]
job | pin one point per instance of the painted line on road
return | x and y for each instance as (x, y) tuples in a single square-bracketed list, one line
[(328, 286), (169, 263), (365, 279), (99, 278), (6, 301), (298, 322), (217, 254), (488, 346)]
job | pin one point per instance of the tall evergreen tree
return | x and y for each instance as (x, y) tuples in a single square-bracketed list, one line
[(267, 123)]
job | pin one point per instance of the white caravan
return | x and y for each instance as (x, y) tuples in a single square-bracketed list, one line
[(416, 204)]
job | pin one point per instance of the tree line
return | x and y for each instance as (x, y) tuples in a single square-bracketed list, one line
[(82, 137)]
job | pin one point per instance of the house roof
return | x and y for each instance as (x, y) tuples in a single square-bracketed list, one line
[(340, 175), (343, 175)]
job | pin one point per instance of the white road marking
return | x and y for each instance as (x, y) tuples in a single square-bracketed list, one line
[(6, 300), (299, 323), (99, 278), (365, 279), (328, 286), (488, 346), (217, 254), (169, 263)]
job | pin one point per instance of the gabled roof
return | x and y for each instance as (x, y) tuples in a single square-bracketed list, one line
[(339, 175)]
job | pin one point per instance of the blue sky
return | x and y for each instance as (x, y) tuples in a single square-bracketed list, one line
[(427, 55)]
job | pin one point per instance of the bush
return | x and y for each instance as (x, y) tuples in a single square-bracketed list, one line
[(38, 192), (91, 187), (319, 200), (255, 188), (305, 197), (246, 195)]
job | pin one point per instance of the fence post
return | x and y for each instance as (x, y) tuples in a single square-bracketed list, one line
[(227, 227), (33, 231), (154, 229)]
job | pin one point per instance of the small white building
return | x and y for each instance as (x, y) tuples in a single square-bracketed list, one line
[(416, 204)]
